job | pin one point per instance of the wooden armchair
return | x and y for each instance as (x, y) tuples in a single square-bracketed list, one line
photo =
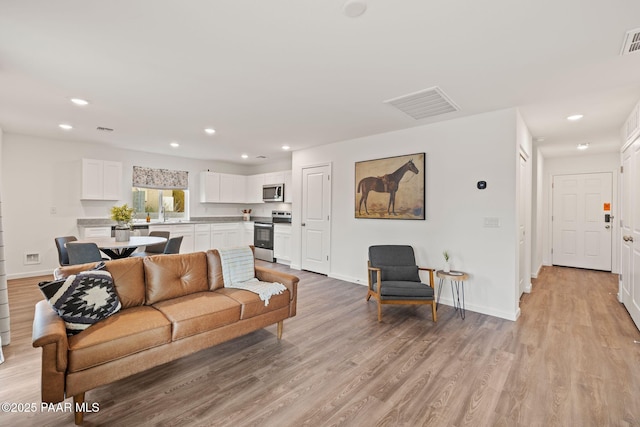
[(394, 278)]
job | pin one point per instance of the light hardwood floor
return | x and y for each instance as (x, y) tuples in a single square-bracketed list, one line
[(569, 360)]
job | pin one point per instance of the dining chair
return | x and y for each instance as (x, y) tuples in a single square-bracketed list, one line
[(80, 253), (156, 249), (173, 245), (63, 255)]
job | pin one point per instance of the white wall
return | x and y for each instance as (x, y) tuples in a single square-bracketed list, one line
[(608, 162), (537, 243), (523, 199), (458, 154), (38, 174)]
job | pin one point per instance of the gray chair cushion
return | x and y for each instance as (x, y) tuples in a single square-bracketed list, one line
[(402, 289)]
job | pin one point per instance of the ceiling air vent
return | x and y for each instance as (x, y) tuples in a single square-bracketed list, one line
[(261, 157), (104, 129), (631, 42), (426, 103)]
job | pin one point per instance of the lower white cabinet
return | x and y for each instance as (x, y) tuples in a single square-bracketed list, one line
[(202, 237), (282, 243), (247, 233), (225, 235), (175, 230)]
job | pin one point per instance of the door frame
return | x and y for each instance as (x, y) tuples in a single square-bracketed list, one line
[(548, 197), (296, 237)]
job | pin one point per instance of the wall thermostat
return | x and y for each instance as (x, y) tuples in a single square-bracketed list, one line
[(482, 185)]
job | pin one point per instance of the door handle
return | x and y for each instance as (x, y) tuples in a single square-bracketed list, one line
[(607, 226), (627, 238), (303, 224)]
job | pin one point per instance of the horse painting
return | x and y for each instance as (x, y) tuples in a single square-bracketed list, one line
[(388, 183)]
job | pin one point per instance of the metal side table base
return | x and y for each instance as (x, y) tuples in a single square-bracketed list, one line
[(456, 280)]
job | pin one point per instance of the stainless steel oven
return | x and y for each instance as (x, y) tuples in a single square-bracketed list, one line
[(263, 234), (263, 240)]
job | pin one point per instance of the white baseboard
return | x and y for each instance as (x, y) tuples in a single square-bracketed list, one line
[(29, 274), (356, 280), (484, 310)]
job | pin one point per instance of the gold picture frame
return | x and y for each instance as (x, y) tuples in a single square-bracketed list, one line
[(391, 188)]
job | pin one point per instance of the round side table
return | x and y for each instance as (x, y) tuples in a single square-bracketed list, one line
[(456, 279)]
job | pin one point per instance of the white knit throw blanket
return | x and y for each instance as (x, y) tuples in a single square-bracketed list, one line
[(238, 272)]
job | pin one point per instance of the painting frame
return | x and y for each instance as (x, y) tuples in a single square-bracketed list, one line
[(390, 187)]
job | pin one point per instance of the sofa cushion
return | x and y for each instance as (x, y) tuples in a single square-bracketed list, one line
[(199, 312), (82, 299), (128, 277), (251, 303), (173, 276), (127, 332)]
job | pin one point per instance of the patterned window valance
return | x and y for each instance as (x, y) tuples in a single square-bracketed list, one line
[(160, 178)]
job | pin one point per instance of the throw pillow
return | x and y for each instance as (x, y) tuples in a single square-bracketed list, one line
[(82, 299), (400, 273)]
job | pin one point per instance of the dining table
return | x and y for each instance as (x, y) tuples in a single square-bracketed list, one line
[(116, 250)]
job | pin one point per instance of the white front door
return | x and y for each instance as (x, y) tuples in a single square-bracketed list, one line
[(316, 225), (581, 237), (630, 231)]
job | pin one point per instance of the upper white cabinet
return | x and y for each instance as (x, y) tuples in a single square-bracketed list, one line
[(254, 188), (101, 180), (218, 187), (232, 188), (209, 187), (288, 187)]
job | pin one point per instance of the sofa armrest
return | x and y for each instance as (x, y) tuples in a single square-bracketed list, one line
[(289, 280), (50, 333)]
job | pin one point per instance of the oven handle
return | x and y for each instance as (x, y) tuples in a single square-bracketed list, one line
[(263, 225)]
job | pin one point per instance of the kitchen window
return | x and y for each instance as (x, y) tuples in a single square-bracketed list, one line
[(160, 194)]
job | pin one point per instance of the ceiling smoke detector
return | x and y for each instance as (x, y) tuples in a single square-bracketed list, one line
[(631, 42), (425, 103)]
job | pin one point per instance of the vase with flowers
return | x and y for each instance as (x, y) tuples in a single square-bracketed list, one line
[(123, 216)]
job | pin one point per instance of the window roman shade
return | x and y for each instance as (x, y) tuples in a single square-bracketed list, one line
[(160, 178)]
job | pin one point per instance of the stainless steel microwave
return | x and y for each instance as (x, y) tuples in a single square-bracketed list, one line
[(273, 193)]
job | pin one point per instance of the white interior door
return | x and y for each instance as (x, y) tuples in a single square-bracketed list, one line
[(630, 231), (316, 225), (581, 237)]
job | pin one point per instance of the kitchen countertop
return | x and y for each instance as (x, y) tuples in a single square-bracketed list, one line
[(106, 222)]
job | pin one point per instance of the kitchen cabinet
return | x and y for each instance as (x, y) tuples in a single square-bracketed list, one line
[(209, 187), (185, 230), (253, 191), (282, 243), (247, 233), (274, 178), (202, 237), (101, 180), (232, 188), (288, 187), (225, 235)]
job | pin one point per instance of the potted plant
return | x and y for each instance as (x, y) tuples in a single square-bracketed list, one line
[(123, 216), (447, 266)]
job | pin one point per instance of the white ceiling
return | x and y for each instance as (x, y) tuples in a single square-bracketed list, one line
[(301, 73)]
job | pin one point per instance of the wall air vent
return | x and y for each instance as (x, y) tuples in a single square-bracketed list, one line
[(425, 103), (104, 129), (631, 42)]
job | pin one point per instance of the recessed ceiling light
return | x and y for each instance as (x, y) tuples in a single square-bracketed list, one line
[(79, 101), (286, 147), (174, 144), (245, 156), (583, 146), (65, 126), (575, 117), (210, 131), (354, 8)]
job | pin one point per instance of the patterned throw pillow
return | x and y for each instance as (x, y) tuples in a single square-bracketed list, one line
[(82, 299)]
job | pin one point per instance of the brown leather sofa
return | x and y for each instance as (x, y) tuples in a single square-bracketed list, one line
[(172, 306)]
